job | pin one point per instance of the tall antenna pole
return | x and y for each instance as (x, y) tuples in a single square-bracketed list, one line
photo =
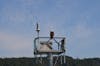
[(38, 30)]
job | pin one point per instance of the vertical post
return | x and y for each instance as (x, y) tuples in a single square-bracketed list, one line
[(50, 59), (64, 58), (61, 59)]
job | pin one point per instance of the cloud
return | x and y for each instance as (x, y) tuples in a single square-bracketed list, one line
[(15, 44)]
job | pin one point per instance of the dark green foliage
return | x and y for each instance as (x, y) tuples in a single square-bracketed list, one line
[(32, 62)]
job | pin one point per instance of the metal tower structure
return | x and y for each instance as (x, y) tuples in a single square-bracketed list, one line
[(49, 46)]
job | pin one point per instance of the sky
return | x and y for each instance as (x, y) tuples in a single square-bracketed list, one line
[(77, 20)]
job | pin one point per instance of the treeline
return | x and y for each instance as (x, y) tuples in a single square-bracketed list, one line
[(34, 62)]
